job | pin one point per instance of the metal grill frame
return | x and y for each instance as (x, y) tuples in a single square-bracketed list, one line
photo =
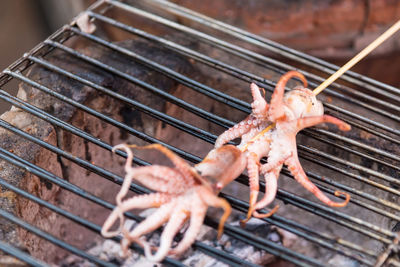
[(342, 246)]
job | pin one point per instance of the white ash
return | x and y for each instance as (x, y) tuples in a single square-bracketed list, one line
[(110, 251)]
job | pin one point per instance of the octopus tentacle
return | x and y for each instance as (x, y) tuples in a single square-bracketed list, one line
[(275, 161), (212, 200), (236, 131), (196, 220), (155, 177), (265, 215), (129, 158), (167, 236), (153, 171), (253, 170), (259, 105), (271, 187), (151, 223), (112, 218), (179, 163), (276, 110), (300, 176), (311, 121), (142, 201)]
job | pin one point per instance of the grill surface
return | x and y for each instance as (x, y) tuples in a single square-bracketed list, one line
[(364, 166)]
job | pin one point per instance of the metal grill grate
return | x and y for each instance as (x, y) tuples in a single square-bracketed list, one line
[(376, 114)]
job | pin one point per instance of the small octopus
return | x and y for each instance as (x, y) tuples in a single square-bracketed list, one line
[(270, 131), (181, 193)]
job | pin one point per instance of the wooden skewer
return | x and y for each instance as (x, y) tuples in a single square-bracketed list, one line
[(358, 57), (340, 71), (243, 149)]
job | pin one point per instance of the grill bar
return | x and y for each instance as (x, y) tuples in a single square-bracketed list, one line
[(47, 90), (351, 165), (241, 50), (96, 228), (233, 71), (233, 231), (264, 244), (95, 113), (21, 255), (52, 239), (201, 134), (52, 67), (230, 122), (103, 89), (223, 98), (221, 66), (54, 149), (277, 220), (227, 122), (147, 36), (49, 118), (323, 211), (282, 50), (352, 190), (222, 256), (44, 174), (333, 243), (383, 152), (314, 133)]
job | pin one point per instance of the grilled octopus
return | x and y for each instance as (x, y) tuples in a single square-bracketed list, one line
[(181, 193), (270, 131)]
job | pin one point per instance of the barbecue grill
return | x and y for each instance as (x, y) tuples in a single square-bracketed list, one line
[(210, 64)]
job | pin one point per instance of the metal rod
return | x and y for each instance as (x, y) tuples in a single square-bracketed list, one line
[(8, 249), (370, 197), (322, 239), (280, 49), (136, 133), (238, 73), (179, 152), (25, 135), (66, 185), (313, 133), (218, 42), (262, 243), (151, 111), (179, 102), (97, 229), (323, 211), (363, 119), (63, 125), (331, 243), (52, 239), (204, 134), (217, 95), (44, 174), (351, 165)]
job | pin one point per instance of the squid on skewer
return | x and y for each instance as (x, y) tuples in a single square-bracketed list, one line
[(270, 131)]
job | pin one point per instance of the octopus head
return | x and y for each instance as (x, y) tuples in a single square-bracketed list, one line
[(301, 102), (221, 166)]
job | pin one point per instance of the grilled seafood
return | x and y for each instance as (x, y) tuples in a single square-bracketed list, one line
[(181, 193), (270, 131)]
